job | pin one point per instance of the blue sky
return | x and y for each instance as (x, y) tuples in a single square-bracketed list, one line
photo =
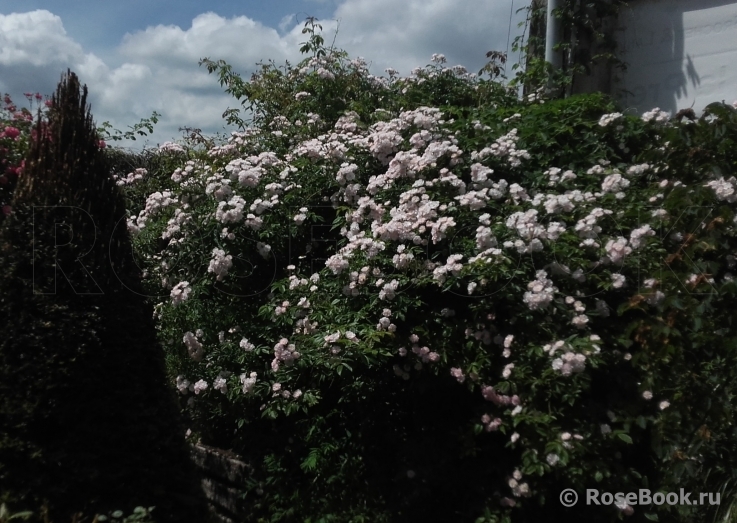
[(141, 56)]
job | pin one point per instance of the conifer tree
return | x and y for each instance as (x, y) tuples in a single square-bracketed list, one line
[(87, 421)]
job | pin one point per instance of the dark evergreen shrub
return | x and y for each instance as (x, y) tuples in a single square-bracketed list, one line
[(87, 422)]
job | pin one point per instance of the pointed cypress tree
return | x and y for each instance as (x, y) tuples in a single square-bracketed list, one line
[(87, 420)]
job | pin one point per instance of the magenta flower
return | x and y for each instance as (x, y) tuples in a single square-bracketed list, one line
[(12, 132)]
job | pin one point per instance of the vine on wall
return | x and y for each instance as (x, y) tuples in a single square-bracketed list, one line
[(587, 44)]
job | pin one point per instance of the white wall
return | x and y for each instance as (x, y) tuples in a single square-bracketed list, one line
[(680, 53)]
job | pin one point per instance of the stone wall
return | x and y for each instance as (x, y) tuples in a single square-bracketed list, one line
[(222, 475)]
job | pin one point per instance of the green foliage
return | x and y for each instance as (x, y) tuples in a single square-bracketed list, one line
[(365, 426), (315, 43), (86, 421), (584, 44), (137, 129), (6, 516), (139, 515), (271, 93)]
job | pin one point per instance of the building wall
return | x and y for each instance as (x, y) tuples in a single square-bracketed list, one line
[(680, 53)]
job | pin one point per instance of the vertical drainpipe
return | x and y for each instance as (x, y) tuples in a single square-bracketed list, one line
[(553, 35)]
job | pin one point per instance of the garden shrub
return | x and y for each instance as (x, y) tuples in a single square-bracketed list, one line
[(15, 135), (422, 298), (87, 421)]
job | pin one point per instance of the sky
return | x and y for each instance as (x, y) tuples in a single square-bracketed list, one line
[(140, 56)]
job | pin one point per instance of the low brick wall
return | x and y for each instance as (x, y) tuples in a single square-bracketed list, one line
[(223, 475)]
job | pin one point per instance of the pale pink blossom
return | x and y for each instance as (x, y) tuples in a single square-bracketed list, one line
[(200, 386), (457, 374)]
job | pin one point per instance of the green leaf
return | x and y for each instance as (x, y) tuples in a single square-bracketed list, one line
[(310, 462)]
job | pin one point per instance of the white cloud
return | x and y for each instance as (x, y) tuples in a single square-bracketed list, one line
[(158, 67), (34, 51), (405, 34), (37, 37), (286, 22), (238, 40)]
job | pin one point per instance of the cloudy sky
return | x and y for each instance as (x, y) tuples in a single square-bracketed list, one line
[(140, 56)]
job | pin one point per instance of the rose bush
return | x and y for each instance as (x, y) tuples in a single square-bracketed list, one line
[(423, 297), (15, 132)]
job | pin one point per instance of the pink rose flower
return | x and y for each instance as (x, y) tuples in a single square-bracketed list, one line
[(12, 132)]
